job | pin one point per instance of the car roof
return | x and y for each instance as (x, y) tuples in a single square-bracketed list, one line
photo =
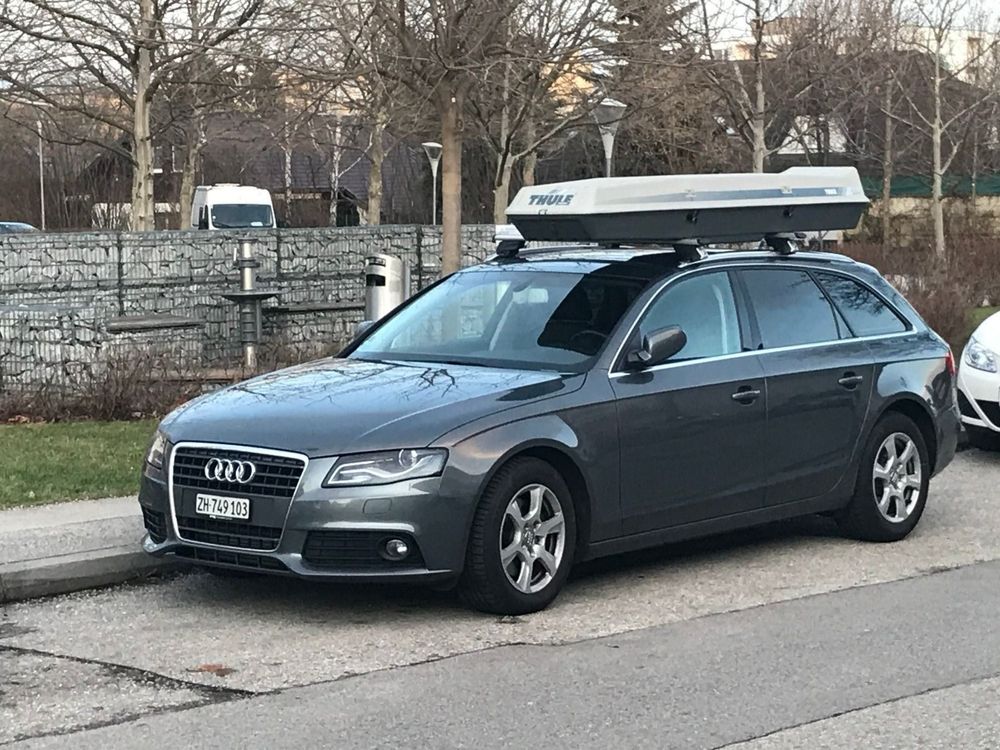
[(646, 263)]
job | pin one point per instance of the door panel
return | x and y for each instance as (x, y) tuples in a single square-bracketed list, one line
[(814, 420), (689, 450), (818, 383), (691, 430)]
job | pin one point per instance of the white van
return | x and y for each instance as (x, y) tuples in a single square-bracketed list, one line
[(231, 207)]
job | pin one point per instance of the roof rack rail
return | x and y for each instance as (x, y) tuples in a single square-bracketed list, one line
[(682, 209)]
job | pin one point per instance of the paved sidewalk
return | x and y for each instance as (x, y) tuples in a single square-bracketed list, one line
[(55, 549)]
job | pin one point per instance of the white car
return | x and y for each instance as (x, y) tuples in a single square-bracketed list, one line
[(979, 385)]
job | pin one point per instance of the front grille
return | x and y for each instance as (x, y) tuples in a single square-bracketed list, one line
[(228, 533), (252, 562), (357, 550), (156, 524), (965, 407), (991, 409), (276, 476)]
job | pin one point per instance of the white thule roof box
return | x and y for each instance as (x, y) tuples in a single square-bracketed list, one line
[(699, 208)]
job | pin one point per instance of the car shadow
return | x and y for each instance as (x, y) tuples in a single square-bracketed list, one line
[(360, 602)]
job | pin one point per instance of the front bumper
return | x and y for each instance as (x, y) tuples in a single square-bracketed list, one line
[(331, 534), (979, 398)]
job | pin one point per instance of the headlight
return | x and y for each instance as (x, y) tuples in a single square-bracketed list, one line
[(157, 450), (386, 467), (979, 357)]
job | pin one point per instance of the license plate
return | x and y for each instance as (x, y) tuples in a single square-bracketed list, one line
[(222, 507)]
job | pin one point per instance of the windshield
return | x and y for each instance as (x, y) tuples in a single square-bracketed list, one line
[(241, 216), (535, 320)]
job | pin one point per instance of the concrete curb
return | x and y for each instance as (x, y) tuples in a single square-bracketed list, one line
[(78, 571)]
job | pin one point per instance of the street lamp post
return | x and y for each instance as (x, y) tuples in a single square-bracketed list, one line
[(433, 151), (41, 171), (608, 115)]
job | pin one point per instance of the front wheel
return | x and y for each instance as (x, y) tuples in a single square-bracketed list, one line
[(522, 540), (893, 480)]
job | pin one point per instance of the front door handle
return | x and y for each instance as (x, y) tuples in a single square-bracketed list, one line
[(850, 381), (746, 395)]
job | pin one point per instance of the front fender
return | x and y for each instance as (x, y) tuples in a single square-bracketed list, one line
[(585, 435)]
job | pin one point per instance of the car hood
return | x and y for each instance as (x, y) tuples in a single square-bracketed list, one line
[(988, 332), (337, 406)]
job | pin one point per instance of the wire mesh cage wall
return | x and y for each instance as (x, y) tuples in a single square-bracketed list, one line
[(68, 300)]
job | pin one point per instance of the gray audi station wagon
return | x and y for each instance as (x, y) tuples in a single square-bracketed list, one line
[(561, 403)]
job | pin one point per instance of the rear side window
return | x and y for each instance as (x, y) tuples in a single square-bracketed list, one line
[(791, 310), (864, 311), (705, 308)]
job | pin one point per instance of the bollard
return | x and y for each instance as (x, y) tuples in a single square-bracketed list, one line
[(249, 299), (249, 305)]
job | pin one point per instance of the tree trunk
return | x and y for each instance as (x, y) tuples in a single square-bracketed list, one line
[(937, 187), (451, 183), (757, 123), (530, 160), (335, 176), (189, 172), (287, 149), (189, 176), (377, 157), (757, 120), (528, 169), (501, 192), (887, 164), (142, 139)]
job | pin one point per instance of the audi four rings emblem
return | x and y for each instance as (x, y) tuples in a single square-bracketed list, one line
[(225, 470)]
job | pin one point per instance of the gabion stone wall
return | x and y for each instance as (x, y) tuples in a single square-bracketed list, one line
[(69, 302)]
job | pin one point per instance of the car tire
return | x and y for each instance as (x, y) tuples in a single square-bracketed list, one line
[(982, 438), (893, 479), (518, 558)]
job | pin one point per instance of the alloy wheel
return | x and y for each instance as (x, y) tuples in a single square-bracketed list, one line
[(532, 538), (897, 477)]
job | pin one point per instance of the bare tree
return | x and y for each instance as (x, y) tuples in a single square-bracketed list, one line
[(541, 85), (766, 81), (443, 49), (954, 104), (108, 62)]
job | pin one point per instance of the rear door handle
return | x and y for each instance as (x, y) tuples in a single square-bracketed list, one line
[(850, 381), (746, 395)]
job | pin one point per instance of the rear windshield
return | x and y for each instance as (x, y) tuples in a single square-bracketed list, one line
[(523, 319)]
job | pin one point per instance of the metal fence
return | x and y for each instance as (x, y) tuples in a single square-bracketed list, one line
[(68, 300)]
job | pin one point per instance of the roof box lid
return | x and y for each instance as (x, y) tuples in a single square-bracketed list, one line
[(707, 208)]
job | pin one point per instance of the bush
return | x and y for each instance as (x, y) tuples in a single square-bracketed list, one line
[(944, 291), (136, 384)]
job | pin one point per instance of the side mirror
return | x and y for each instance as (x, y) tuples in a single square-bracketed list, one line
[(363, 326), (203, 221), (657, 347)]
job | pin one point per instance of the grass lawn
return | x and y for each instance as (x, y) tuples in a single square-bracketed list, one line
[(43, 463)]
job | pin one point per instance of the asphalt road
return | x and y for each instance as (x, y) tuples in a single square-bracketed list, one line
[(785, 637)]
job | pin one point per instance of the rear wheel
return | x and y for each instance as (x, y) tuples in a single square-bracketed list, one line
[(522, 540), (893, 479), (982, 438)]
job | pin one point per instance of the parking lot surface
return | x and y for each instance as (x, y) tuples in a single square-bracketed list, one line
[(720, 620)]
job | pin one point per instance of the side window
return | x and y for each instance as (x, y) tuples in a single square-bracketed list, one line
[(790, 308), (864, 311), (705, 308)]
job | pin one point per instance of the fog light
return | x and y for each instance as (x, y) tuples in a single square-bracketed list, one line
[(396, 549)]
